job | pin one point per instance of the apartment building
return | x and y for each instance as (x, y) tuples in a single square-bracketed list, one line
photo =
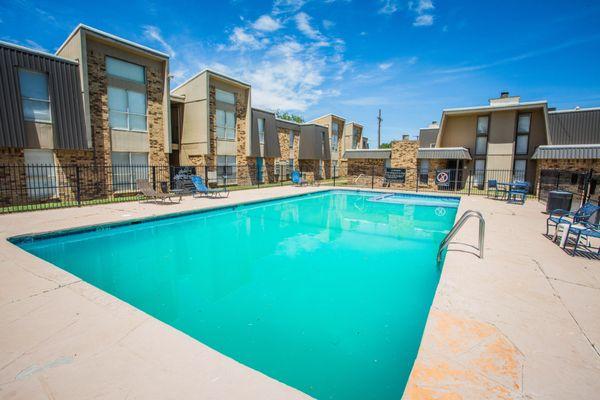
[(491, 140), (42, 121), (342, 136), (510, 139), (100, 100)]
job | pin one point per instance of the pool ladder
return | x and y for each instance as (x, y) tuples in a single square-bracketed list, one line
[(467, 214)]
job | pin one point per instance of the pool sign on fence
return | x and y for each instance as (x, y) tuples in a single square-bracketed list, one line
[(442, 177), (397, 175)]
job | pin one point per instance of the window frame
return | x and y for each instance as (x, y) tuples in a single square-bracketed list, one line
[(47, 101), (482, 135), (515, 168), (291, 137), (224, 127), (334, 144), (261, 135), (127, 113), (143, 67), (49, 187), (132, 172), (523, 134), (217, 91)]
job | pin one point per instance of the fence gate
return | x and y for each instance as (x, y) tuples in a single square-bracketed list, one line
[(581, 183)]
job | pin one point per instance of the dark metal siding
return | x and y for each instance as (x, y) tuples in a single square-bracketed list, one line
[(271, 146), (65, 98), (311, 143), (567, 153), (577, 127)]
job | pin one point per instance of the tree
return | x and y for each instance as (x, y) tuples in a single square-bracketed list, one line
[(289, 116), (386, 145)]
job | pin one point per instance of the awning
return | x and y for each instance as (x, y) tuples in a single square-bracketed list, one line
[(444, 153), (570, 151), (368, 154)]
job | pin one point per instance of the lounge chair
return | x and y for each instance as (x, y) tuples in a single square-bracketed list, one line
[(297, 179), (582, 230), (202, 189), (557, 217), (150, 193)]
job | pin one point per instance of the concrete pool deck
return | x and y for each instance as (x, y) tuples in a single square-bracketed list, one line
[(522, 323)]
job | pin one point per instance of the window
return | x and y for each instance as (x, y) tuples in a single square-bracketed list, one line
[(261, 130), (34, 96), (520, 170), (424, 171), (226, 170), (478, 179), (127, 109), (323, 142), (523, 129), (334, 142), (291, 139), (127, 168), (481, 145), (225, 125), (354, 138), (225, 97), (483, 123), (41, 174), (125, 70)]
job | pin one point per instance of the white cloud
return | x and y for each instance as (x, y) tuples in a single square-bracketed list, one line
[(365, 101), (303, 24), (153, 33), (389, 7), (363, 33), (287, 6), (421, 6), (266, 23), (385, 66), (423, 20), (34, 45), (422, 9), (327, 24), (242, 40)]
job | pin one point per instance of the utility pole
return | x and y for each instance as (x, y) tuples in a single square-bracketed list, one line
[(379, 130)]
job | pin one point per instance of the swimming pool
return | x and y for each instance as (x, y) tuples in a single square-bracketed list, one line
[(326, 292)]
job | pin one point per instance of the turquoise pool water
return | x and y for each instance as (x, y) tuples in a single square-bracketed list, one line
[(328, 292)]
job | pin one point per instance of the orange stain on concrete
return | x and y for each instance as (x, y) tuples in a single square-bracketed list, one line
[(464, 359)]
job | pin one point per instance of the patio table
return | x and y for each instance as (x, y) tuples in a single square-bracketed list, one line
[(514, 188)]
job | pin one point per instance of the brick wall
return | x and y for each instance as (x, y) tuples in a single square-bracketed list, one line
[(366, 170)]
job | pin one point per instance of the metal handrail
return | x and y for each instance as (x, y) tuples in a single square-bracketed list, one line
[(467, 214), (358, 177)]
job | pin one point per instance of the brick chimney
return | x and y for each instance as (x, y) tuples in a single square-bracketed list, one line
[(505, 99)]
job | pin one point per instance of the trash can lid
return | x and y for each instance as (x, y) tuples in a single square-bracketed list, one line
[(561, 192)]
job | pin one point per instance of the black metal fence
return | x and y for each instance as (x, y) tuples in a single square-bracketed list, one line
[(450, 180), (34, 187), (37, 187), (582, 184)]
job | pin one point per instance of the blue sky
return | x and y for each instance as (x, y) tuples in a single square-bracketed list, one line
[(349, 57)]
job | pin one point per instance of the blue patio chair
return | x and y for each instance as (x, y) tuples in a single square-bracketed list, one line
[(297, 179), (583, 230), (497, 190), (200, 188), (518, 192), (583, 214)]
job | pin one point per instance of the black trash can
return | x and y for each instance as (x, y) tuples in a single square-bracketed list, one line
[(559, 199)]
